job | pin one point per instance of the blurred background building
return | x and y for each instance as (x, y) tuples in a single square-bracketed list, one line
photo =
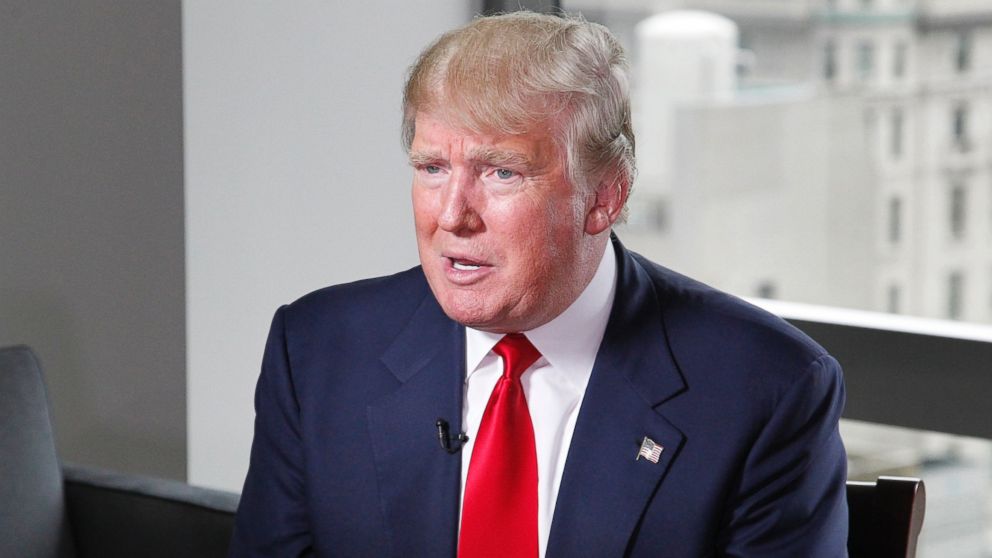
[(884, 103)]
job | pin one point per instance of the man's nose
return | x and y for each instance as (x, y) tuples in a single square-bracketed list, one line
[(458, 207)]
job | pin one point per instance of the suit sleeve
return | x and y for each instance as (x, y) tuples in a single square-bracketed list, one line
[(272, 518), (791, 498)]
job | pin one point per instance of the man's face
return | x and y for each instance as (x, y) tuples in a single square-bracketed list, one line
[(500, 230)]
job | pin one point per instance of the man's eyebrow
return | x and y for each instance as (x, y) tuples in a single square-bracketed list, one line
[(499, 157), (423, 157)]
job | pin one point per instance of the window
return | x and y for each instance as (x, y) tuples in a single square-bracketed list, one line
[(766, 289), (896, 139), (648, 216), (829, 60), (895, 219), (893, 299), (899, 60), (958, 205), (959, 127), (955, 294), (962, 52), (866, 60), (870, 120)]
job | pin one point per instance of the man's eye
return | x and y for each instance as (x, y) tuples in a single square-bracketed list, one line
[(432, 169), (504, 174)]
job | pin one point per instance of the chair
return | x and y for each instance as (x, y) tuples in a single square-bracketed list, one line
[(885, 517), (52, 511)]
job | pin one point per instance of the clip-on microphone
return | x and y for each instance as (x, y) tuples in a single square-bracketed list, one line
[(449, 443)]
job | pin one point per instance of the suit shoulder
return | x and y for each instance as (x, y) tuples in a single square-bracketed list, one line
[(706, 326), (377, 300)]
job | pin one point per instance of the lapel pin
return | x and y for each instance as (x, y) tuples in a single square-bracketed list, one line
[(650, 450)]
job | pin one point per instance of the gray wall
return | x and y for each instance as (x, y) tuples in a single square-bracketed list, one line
[(91, 222), (295, 179)]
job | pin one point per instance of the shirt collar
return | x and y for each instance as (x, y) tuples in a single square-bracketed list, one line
[(571, 340)]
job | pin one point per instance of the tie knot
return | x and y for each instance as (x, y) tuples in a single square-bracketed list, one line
[(518, 354)]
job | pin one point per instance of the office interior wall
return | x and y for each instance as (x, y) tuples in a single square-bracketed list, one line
[(91, 222), (295, 179)]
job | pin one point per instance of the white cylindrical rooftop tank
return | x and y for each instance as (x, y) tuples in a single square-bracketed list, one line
[(685, 57), (688, 55)]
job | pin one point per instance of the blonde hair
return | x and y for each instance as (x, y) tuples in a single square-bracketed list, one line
[(512, 72)]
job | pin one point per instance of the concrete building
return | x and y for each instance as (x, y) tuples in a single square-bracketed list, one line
[(777, 215), (920, 74)]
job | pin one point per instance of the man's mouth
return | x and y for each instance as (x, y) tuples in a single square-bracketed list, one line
[(466, 270), (464, 266)]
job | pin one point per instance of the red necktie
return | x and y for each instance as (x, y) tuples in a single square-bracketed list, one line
[(499, 510)]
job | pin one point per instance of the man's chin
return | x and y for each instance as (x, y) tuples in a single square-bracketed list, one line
[(470, 319), (474, 317)]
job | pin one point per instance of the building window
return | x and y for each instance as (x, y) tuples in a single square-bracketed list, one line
[(648, 215), (866, 60), (766, 289), (958, 205), (829, 61), (899, 60), (896, 140), (895, 219), (962, 52), (870, 119), (959, 127), (893, 296), (955, 295)]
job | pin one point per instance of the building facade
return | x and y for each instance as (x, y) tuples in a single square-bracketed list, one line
[(920, 73)]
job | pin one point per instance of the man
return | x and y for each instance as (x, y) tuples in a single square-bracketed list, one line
[(611, 407)]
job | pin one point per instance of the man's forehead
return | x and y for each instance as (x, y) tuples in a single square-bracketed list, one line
[(434, 137), (430, 127)]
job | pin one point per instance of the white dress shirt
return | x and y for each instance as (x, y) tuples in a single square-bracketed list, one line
[(554, 385)]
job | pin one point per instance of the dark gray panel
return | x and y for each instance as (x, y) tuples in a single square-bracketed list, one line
[(91, 222), (912, 380)]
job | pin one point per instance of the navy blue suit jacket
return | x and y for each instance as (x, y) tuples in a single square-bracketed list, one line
[(346, 462)]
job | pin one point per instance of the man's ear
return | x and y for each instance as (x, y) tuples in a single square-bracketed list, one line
[(608, 200)]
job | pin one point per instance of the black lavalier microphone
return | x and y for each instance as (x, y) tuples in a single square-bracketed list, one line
[(449, 443)]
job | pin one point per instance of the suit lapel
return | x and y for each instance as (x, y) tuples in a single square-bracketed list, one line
[(419, 482), (604, 489)]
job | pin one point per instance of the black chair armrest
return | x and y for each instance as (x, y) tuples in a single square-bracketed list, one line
[(886, 517), (117, 515)]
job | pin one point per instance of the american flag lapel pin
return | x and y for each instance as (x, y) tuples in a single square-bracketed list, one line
[(650, 450)]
